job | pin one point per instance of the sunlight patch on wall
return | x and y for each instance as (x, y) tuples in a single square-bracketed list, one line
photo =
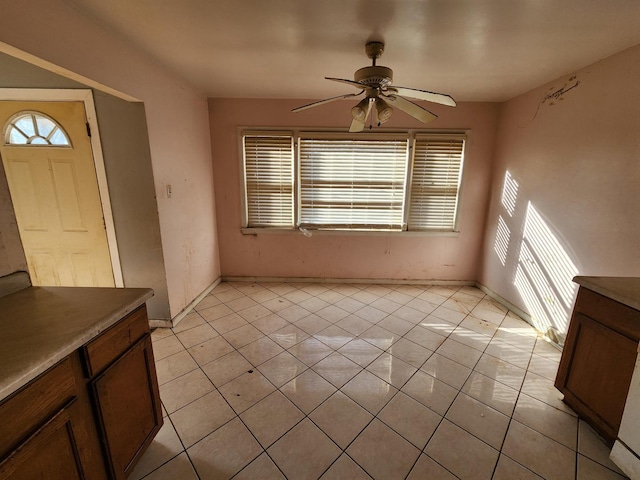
[(509, 193), (544, 276), (501, 244), (503, 232)]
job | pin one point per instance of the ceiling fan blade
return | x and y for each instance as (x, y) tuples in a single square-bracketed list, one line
[(326, 100), (358, 125), (440, 98), (348, 82), (413, 109)]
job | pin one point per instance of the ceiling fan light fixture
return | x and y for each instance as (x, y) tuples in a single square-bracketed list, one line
[(360, 111), (383, 110), (375, 82)]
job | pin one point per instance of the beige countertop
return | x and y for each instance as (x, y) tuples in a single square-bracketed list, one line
[(625, 290), (42, 325)]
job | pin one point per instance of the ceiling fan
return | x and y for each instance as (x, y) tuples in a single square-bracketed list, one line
[(375, 82)]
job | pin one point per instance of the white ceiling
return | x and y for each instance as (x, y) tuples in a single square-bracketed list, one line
[(474, 50)]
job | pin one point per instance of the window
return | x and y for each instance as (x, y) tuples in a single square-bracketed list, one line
[(354, 183), (435, 182), (387, 182), (268, 173), (35, 129)]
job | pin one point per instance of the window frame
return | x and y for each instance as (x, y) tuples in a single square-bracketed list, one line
[(296, 229), (34, 114), (441, 137), (401, 137), (243, 167)]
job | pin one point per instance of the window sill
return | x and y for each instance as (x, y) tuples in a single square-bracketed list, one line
[(344, 233)]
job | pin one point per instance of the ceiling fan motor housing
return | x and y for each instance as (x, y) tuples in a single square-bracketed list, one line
[(374, 76)]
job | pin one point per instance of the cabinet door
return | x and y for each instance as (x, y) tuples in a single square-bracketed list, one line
[(129, 409), (51, 452), (597, 375)]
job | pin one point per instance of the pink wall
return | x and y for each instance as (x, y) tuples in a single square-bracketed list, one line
[(58, 32), (420, 257), (577, 165)]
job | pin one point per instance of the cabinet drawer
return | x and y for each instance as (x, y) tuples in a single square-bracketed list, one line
[(608, 312), (29, 407), (112, 343)]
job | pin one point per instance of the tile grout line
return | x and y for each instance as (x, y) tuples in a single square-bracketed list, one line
[(277, 389), (362, 368), (423, 451), (199, 367), (515, 404), (307, 416)]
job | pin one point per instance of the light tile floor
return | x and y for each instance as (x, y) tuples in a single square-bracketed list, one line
[(307, 381)]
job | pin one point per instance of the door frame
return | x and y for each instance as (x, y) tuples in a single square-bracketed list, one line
[(85, 96)]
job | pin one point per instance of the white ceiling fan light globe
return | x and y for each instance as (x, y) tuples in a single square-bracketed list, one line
[(383, 110), (360, 111)]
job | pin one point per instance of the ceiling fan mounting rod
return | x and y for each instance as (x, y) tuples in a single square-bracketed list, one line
[(374, 76)]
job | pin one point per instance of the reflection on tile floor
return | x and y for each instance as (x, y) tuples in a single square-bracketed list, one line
[(307, 381)]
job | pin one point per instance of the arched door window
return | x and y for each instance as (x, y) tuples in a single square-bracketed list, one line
[(35, 129)]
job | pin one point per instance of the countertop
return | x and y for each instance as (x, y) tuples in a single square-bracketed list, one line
[(625, 290), (43, 325)]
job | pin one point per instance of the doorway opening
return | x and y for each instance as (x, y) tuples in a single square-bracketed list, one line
[(52, 157)]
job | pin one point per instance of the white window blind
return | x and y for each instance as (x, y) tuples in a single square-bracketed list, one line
[(352, 183), (268, 170), (435, 182)]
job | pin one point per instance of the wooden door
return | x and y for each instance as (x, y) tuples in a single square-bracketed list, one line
[(48, 161)]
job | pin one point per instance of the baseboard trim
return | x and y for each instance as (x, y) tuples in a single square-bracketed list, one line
[(506, 303), (186, 310), (160, 323), (372, 281), (518, 311)]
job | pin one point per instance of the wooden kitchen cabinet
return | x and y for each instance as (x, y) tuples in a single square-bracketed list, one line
[(598, 360), (90, 416)]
